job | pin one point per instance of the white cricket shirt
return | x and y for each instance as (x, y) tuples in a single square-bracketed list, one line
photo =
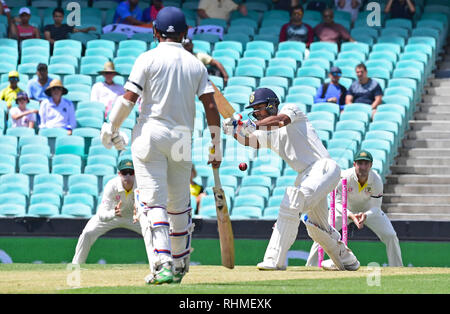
[(296, 143), (113, 193), (360, 198), (167, 78)]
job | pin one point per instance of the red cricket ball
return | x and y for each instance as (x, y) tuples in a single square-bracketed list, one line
[(242, 166)]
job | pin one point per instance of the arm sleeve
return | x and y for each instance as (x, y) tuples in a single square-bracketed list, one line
[(376, 197), (106, 209), (377, 90), (344, 33), (283, 35), (43, 113), (205, 86), (293, 112), (318, 98), (310, 35), (122, 11), (138, 77)]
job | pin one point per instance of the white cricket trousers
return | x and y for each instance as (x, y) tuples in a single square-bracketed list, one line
[(96, 228), (379, 223), (162, 165)]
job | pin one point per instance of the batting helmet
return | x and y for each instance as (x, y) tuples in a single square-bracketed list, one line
[(170, 21), (262, 96)]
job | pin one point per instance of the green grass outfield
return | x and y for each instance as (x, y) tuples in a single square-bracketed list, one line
[(129, 278)]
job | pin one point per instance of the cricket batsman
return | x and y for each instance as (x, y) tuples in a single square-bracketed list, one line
[(115, 211), (364, 198), (167, 79), (288, 133)]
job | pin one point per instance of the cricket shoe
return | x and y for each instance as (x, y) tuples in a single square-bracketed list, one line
[(163, 275), (177, 278), (265, 265), (329, 265)]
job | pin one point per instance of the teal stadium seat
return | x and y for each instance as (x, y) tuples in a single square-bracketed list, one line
[(76, 211)]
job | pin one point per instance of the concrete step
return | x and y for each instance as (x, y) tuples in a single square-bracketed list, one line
[(432, 116), (428, 143), (423, 125), (443, 199), (420, 161), (418, 217), (417, 189), (420, 169), (417, 179), (432, 108), (436, 99), (416, 208), (424, 152), (437, 91), (439, 82), (427, 135)]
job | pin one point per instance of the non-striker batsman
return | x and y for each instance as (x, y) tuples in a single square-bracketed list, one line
[(167, 79)]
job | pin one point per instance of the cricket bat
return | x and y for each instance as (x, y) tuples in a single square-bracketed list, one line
[(226, 237)]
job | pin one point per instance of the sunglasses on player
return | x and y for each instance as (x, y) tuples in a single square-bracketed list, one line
[(336, 74), (127, 172)]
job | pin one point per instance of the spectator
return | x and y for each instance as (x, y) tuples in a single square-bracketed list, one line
[(58, 30), (316, 6), (219, 9), (206, 59), (296, 30), (4, 10), (56, 111), (350, 6), (36, 87), (330, 31), (149, 14), (20, 115), (287, 5), (332, 91), (9, 94), (128, 12), (403, 9), (364, 90), (106, 92), (196, 189), (23, 30)]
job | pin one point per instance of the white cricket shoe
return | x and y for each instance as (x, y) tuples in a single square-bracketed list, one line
[(329, 265), (265, 265)]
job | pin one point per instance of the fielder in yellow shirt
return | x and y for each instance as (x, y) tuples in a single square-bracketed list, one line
[(9, 94)]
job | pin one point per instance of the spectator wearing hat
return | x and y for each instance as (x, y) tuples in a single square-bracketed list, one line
[(149, 14), (36, 87), (207, 60), (9, 94), (107, 92), (56, 111), (58, 30), (20, 115), (116, 210), (22, 29), (129, 12), (364, 90), (332, 91)]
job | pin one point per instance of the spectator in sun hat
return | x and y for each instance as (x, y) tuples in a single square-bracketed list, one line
[(57, 111), (9, 94), (107, 92), (36, 87), (20, 115), (21, 29)]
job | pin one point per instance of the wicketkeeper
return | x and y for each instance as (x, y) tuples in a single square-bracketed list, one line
[(115, 211), (364, 198), (288, 133)]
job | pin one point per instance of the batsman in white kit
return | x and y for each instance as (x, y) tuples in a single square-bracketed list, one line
[(288, 133), (364, 198), (167, 79), (116, 210)]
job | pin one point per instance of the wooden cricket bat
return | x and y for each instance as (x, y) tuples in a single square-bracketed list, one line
[(223, 223), (226, 237)]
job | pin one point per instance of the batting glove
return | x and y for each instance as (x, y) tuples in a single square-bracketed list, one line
[(113, 138), (248, 127)]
